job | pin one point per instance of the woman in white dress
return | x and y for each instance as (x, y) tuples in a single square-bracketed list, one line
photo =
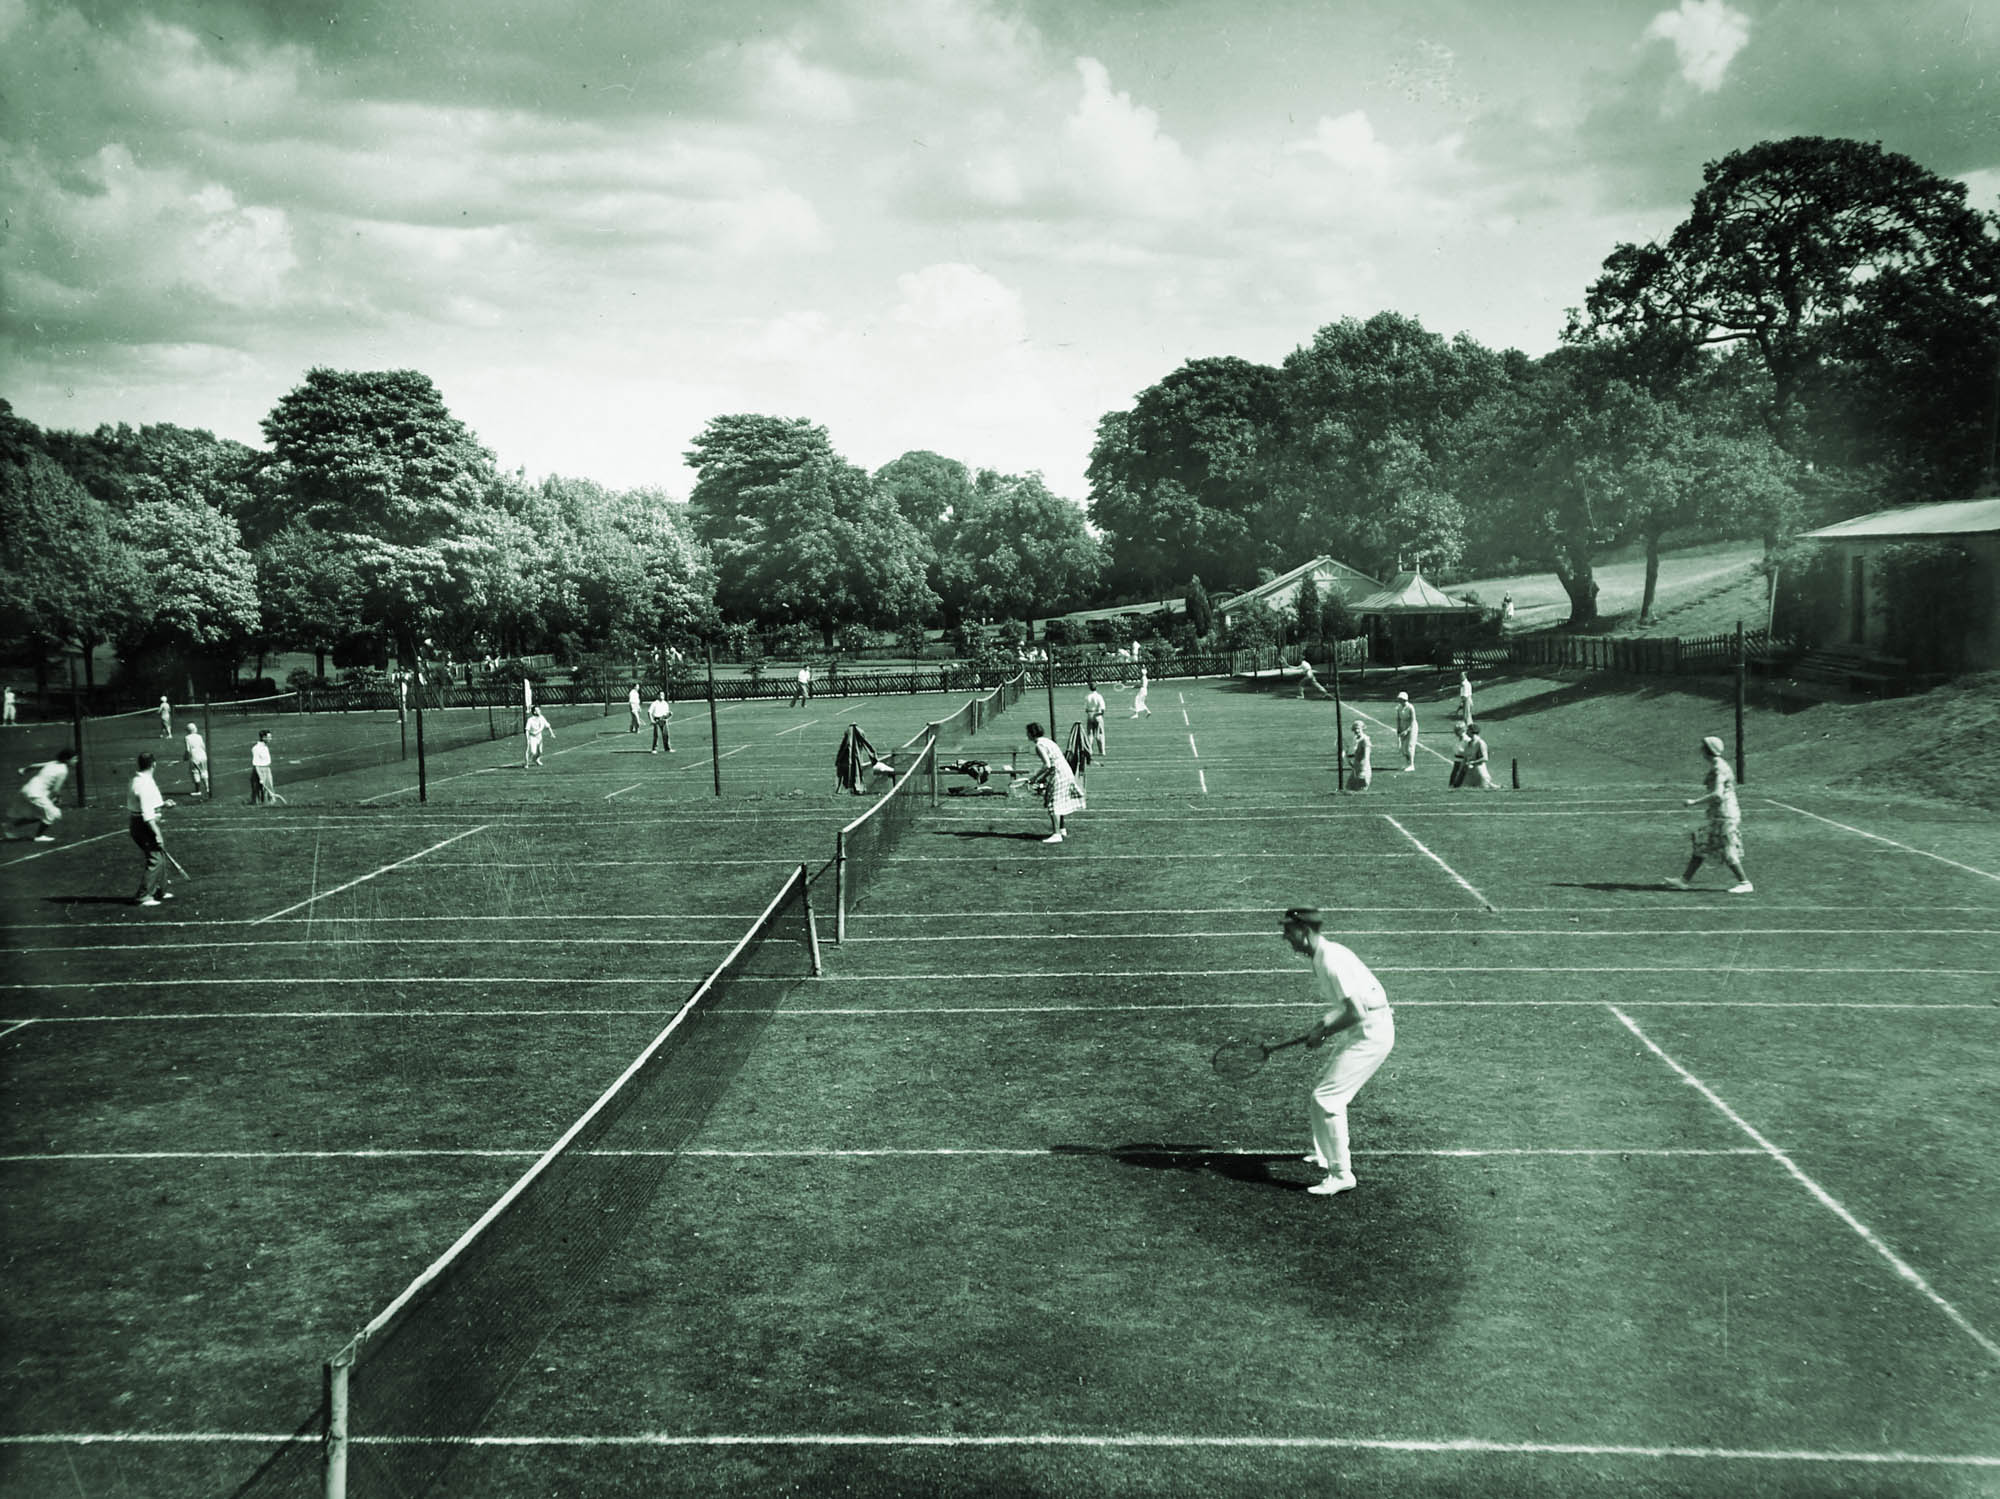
[(1360, 759), (1139, 698)]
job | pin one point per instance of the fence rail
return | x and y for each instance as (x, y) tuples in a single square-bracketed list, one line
[(1671, 655)]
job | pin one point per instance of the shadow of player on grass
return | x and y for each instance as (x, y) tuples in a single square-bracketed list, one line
[(1237, 1166)]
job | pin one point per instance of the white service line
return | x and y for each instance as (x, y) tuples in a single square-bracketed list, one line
[(623, 789), (1191, 747), (484, 770), (795, 728), (1462, 881), (840, 1012), (1017, 975), (1986, 874), (15, 1027), (1202, 776), (1456, 1447), (1041, 1152), (1825, 1198), (709, 762), (322, 895), (43, 854)]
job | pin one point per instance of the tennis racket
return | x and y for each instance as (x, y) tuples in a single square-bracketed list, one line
[(178, 865), (1239, 1058)]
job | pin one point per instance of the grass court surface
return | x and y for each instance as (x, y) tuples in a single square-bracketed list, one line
[(1661, 1192)]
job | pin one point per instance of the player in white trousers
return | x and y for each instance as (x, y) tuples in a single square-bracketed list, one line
[(1406, 730), (1139, 697), (1362, 1027)]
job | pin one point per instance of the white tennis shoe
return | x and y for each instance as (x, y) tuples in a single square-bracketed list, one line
[(1333, 1186)]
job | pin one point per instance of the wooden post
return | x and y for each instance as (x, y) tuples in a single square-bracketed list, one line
[(1339, 729), (1049, 678), (76, 732), (1742, 688), (335, 1468), (417, 697), (714, 733)]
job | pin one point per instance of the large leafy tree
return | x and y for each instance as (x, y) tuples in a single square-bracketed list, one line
[(1179, 484), (1014, 550), (68, 578), (798, 535), (1373, 407), (308, 591), (200, 596), (374, 460), (1865, 283)]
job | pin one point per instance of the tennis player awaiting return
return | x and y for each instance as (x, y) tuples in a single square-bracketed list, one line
[(1361, 1026)]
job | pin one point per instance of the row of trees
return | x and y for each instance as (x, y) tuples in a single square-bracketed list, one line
[(1818, 336), (375, 524)]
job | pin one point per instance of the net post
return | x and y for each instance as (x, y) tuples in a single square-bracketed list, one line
[(714, 733), (76, 732), (417, 697), (812, 922), (840, 887), (334, 1469)]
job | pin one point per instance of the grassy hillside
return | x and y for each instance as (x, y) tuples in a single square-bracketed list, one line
[(1702, 590)]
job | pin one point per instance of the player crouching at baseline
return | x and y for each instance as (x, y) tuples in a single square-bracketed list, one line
[(1363, 1029), (1061, 794)]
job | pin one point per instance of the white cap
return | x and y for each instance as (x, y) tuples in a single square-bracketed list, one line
[(1402, 697)]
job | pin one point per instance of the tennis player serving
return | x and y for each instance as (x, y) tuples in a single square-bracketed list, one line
[(1361, 1026)]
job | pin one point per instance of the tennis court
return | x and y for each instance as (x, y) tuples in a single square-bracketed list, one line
[(1661, 1192)]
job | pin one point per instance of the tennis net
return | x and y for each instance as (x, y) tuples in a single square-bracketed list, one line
[(427, 1371), (860, 848)]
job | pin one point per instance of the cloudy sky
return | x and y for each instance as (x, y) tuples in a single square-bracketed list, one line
[(972, 226)]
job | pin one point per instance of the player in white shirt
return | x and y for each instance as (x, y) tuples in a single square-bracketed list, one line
[(1406, 729), (535, 728), (1362, 1027), (662, 714), (632, 701), (263, 784), (6, 705), (194, 754), (802, 693), (1094, 709), (40, 794), (143, 803), (1139, 698), (166, 719)]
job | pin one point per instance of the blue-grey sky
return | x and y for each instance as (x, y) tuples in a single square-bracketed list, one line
[(966, 225)]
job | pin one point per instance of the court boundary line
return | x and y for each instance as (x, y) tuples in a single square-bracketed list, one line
[(372, 874), (998, 975), (1986, 874), (850, 1012), (1904, 1270), (1460, 879), (607, 797), (1761, 908), (1442, 1446), (44, 853), (984, 1152)]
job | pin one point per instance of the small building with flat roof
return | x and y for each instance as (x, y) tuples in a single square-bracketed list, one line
[(1860, 543)]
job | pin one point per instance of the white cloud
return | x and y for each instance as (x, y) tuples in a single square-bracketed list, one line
[(792, 88), (1348, 142), (1118, 153), (960, 301), (1706, 35)]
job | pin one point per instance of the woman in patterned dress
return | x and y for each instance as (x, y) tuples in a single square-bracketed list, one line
[(1061, 794), (1721, 835)]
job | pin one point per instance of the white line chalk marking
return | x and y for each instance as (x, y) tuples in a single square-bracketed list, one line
[(1463, 883), (322, 895), (1985, 874), (1825, 1198)]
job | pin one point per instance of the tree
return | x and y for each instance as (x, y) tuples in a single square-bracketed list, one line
[(798, 535), (67, 578), (1178, 483), (928, 488), (1844, 266), (308, 592), (1362, 471), (201, 587), (1308, 612), (1017, 551), (376, 461), (1200, 613)]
